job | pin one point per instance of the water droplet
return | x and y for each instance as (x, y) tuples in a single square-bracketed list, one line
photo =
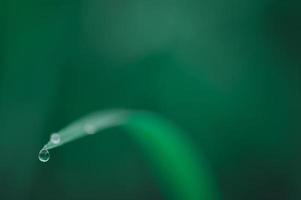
[(89, 129), (55, 138), (44, 155)]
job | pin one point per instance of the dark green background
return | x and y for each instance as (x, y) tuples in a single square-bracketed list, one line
[(228, 72)]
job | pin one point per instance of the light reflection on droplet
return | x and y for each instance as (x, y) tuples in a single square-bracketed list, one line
[(55, 138)]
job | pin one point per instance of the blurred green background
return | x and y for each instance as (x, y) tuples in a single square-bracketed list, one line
[(226, 72)]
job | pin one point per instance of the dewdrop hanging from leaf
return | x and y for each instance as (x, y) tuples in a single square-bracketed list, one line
[(44, 155), (83, 127), (188, 177)]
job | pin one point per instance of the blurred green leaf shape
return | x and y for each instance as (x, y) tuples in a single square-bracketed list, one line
[(182, 172)]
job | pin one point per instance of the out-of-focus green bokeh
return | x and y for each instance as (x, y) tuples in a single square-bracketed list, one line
[(228, 72)]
